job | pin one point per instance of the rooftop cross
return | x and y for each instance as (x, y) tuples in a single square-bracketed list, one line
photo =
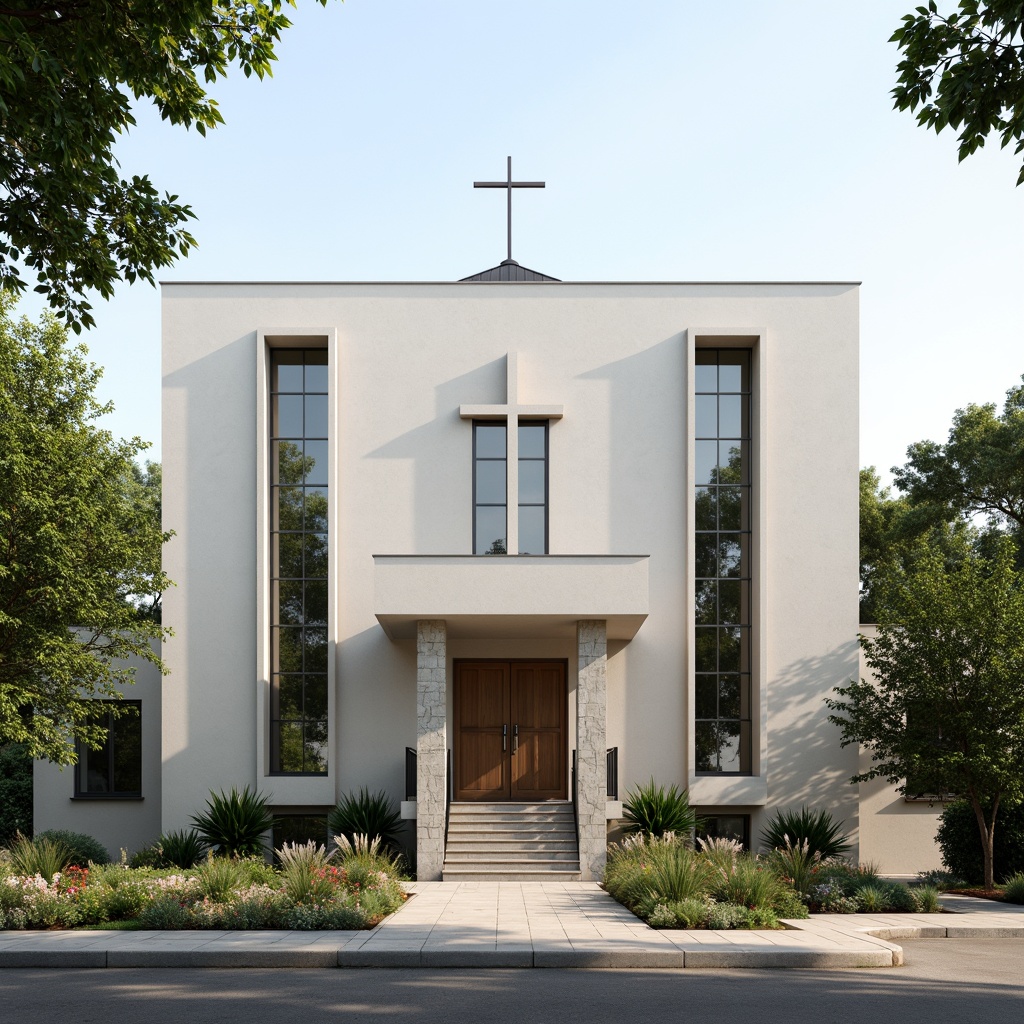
[(509, 184)]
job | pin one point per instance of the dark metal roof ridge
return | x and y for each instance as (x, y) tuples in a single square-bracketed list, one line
[(558, 283)]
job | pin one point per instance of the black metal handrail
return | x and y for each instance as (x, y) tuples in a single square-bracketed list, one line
[(612, 768), (448, 793), (575, 814), (410, 773)]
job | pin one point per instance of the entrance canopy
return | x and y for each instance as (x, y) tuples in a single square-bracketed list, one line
[(510, 596)]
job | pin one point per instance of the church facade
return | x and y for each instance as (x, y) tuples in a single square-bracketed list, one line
[(507, 541)]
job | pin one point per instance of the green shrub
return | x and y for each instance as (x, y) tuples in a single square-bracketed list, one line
[(832, 897), (927, 897), (219, 877), (873, 899), (234, 823), (751, 883), (789, 905), (724, 916), (1014, 889), (960, 842), (647, 871), (374, 815), (818, 829), (165, 913), (652, 810), (15, 792), (690, 913), (82, 848), (942, 880), (41, 856), (900, 899), (306, 873), (797, 864), (181, 849), (660, 916), (147, 857)]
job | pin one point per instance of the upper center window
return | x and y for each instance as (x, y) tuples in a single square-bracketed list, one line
[(491, 511)]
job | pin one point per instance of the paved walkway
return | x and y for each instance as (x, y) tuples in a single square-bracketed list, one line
[(520, 924)]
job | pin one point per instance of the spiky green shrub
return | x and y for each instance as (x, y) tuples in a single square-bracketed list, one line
[(234, 824), (82, 848), (654, 810), (797, 864), (751, 883), (818, 829), (719, 851), (873, 899), (927, 897), (1014, 888), (374, 815), (219, 877), (900, 899), (181, 849), (40, 856), (306, 872)]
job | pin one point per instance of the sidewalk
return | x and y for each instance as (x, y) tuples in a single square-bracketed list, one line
[(521, 924)]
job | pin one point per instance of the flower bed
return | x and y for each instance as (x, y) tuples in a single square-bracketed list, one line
[(307, 892), (670, 885)]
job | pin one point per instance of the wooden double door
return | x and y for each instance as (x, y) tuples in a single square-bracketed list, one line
[(510, 726)]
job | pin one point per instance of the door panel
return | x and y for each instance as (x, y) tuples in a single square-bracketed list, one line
[(481, 710), (528, 762), (538, 714)]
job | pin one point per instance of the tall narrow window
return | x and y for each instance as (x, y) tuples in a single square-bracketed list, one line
[(490, 474), (722, 563), (533, 488), (298, 605)]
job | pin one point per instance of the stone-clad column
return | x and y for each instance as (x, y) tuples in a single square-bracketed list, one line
[(591, 749), (431, 746)]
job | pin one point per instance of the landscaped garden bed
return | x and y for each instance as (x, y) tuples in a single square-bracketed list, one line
[(658, 874), (215, 876)]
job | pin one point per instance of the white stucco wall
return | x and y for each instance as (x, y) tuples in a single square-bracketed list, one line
[(405, 357), (117, 823)]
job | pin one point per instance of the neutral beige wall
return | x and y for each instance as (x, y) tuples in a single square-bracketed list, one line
[(409, 355), (129, 824), (897, 836)]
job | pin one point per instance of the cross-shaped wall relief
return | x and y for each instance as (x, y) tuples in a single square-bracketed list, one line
[(511, 413)]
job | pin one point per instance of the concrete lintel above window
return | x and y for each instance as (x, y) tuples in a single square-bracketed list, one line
[(501, 412), (511, 596), (728, 790)]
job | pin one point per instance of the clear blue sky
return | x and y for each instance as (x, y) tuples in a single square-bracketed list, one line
[(679, 140)]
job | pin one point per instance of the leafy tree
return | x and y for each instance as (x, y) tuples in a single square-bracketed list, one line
[(946, 706), (15, 792), (79, 546), (69, 70), (965, 70), (980, 469)]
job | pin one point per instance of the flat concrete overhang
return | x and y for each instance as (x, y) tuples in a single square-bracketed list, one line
[(511, 596)]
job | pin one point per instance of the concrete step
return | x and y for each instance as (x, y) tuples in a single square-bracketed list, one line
[(510, 825), (510, 845), (510, 856)]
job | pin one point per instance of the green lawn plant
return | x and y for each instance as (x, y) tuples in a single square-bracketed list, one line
[(235, 824), (653, 810), (1013, 890)]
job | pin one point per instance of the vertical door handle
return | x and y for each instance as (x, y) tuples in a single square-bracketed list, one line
[(515, 738), (504, 738)]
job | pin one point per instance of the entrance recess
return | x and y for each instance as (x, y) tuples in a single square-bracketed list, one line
[(510, 730)]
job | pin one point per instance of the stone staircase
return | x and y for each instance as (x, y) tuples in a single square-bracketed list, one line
[(511, 842)]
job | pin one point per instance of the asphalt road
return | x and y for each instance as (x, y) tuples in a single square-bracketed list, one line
[(961, 981)]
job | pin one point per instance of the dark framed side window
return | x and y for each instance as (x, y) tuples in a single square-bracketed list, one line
[(114, 771), (725, 826), (490, 504)]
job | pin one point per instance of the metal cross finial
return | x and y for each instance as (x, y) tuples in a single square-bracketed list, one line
[(509, 184)]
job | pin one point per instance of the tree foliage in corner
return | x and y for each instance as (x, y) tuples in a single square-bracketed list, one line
[(946, 706), (80, 546), (965, 70), (69, 70)]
